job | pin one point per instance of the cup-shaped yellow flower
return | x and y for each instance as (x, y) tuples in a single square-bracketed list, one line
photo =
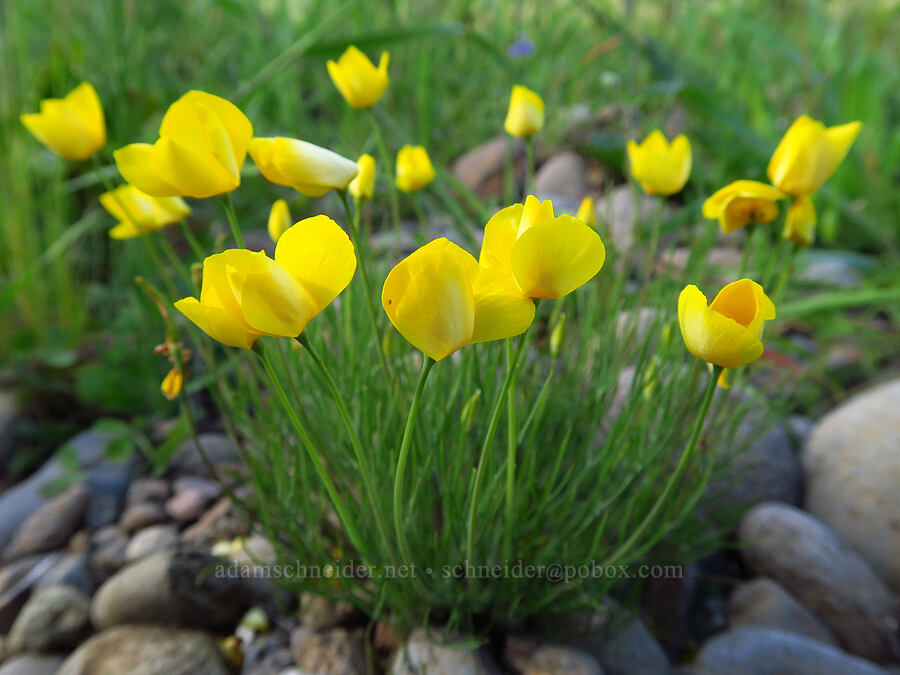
[(809, 153), (661, 168), (545, 256), (246, 295), (741, 203), (440, 301), (309, 169), (587, 212), (139, 213), (73, 127), (357, 78), (203, 141), (279, 219), (727, 332), (800, 222), (525, 116), (363, 185), (414, 169)]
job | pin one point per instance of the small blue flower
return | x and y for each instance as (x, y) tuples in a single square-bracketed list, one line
[(523, 46)]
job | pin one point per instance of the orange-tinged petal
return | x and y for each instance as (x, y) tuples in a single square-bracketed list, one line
[(320, 256), (137, 166), (554, 258), (172, 384), (745, 301), (501, 311), (428, 297)]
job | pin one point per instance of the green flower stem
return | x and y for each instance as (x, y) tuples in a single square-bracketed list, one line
[(655, 231), (512, 433), (745, 253), (400, 474), (353, 221), (529, 158), (232, 219), (486, 446), (361, 457), (385, 159), (192, 240), (336, 500), (675, 476), (787, 269)]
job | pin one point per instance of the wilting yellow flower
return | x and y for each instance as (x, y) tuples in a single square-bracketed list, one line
[(245, 295), (587, 213), (728, 332), (363, 185), (542, 255), (661, 168), (441, 301), (73, 127), (172, 384), (203, 141), (308, 168), (139, 213), (809, 153), (357, 78), (800, 223), (414, 169), (525, 116), (279, 219), (741, 203)]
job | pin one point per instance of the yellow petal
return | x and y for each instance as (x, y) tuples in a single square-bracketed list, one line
[(59, 129), (536, 212), (414, 168), (660, 167), (525, 116), (192, 112), (308, 168), (172, 384), (356, 77), (320, 256), (271, 300), (279, 219), (428, 297), (500, 234), (137, 166), (217, 323), (501, 311), (838, 140), (187, 163), (83, 100), (800, 222), (139, 212), (741, 203), (712, 336), (363, 185), (587, 212), (553, 259), (746, 302)]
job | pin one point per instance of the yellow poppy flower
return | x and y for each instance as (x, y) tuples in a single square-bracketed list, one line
[(727, 332), (357, 78), (661, 168), (363, 185), (308, 168), (279, 219), (73, 127), (800, 223), (545, 256), (809, 153), (587, 213), (525, 116), (245, 295), (203, 141), (440, 301), (414, 169), (139, 213), (741, 203)]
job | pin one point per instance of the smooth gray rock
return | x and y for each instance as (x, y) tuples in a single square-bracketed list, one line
[(51, 526), (765, 604), (107, 555), (151, 540), (72, 569), (852, 467), (419, 655), (317, 611), (107, 484), (143, 514), (620, 210), (764, 651), (632, 650), (335, 651), (146, 650), (145, 489), (529, 657), (826, 575), (481, 168), (54, 618), (218, 448), (174, 588), (562, 174), (32, 664)]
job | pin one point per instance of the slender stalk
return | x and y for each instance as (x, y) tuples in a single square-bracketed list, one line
[(675, 476), (353, 221), (400, 474), (529, 159), (745, 253), (192, 240), (361, 457), (787, 269), (232, 219), (336, 500), (511, 446), (486, 446), (655, 231), (389, 172)]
